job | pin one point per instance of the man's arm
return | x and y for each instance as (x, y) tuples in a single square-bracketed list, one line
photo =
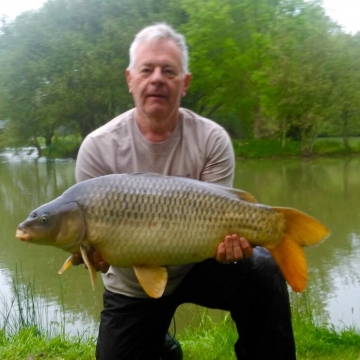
[(220, 169)]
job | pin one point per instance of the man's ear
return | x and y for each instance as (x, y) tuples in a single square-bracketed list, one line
[(128, 79), (187, 80)]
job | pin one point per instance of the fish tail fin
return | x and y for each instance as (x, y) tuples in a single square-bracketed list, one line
[(300, 230)]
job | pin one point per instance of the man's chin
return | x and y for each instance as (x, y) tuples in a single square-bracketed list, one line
[(158, 110)]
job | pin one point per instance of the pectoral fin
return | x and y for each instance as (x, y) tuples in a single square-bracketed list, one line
[(66, 265), (87, 262), (89, 265), (153, 279)]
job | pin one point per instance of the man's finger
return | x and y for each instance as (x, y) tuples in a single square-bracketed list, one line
[(247, 250), (221, 253)]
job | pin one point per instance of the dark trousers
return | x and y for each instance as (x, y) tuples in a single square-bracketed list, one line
[(252, 290)]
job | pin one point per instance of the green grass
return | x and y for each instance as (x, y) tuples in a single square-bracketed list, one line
[(267, 148), (324, 343), (68, 146), (30, 344), (210, 342), (28, 333)]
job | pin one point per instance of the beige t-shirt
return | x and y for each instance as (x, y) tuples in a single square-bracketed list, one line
[(198, 148)]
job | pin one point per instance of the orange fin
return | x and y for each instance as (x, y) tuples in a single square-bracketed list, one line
[(300, 230), (243, 195), (153, 279), (89, 265), (66, 265), (291, 260)]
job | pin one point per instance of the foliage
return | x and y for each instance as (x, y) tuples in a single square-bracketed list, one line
[(265, 148), (63, 147), (276, 69)]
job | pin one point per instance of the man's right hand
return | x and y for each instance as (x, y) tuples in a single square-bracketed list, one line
[(94, 257)]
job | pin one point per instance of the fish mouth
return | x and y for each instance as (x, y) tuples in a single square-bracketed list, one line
[(22, 235)]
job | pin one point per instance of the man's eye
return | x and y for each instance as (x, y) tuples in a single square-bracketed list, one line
[(169, 72)]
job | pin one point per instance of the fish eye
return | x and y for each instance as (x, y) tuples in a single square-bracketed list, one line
[(43, 219)]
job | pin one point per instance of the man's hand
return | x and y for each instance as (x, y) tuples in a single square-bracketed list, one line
[(94, 257), (232, 249)]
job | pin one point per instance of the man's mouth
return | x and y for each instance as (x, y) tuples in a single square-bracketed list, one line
[(158, 96)]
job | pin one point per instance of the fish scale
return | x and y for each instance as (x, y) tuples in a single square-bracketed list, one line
[(184, 212), (148, 221)]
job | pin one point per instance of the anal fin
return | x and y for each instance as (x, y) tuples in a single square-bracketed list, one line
[(153, 279)]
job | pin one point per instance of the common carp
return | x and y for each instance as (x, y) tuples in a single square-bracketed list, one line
[(148, 221)]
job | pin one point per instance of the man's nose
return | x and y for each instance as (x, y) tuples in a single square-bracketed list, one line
[(157, 76)]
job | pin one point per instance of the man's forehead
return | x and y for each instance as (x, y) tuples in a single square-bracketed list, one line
[(158, 49)]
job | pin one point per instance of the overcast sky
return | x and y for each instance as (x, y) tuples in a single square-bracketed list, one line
[(344, 12)]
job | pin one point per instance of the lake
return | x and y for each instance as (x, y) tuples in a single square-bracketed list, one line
[(326, 188)]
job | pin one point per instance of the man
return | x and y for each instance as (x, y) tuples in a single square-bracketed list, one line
[(160, 137)]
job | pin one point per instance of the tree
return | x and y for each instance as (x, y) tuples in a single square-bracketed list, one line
[(299, 75), (345, 80)]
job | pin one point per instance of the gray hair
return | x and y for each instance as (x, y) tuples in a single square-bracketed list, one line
[(159, 32)]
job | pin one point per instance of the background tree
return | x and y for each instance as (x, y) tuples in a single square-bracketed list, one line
[(262, 68)]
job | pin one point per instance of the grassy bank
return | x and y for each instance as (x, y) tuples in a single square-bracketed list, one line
[(264, 148), (27, 332), (206, 342), (68, 146)]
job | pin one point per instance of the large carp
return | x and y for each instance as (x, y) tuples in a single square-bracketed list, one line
[(148, 221)]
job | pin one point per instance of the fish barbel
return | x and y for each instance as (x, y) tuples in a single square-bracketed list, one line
[(148, 221)]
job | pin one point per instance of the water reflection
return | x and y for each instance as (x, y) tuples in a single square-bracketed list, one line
[(328, 189)]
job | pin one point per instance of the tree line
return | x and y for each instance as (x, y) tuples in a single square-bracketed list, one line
[(262, 68)]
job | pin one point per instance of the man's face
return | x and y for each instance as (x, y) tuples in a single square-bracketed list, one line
[(157, 81)]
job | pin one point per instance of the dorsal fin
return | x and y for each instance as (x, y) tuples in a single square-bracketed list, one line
[(243, 195)]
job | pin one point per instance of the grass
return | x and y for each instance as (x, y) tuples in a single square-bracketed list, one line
[(68, 146), (30, 344), (325, 343), (267, 148), (313, 341), (28, 333)]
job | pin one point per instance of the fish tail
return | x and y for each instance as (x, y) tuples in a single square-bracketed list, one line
[(300, 230)]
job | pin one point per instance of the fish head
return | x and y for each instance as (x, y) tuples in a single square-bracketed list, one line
[(56, 223)]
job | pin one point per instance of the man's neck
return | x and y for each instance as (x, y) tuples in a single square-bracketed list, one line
[(156, 129)]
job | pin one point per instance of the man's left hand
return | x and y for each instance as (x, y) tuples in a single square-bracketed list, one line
[(232, 249)]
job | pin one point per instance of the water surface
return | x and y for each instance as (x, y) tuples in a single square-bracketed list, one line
[(327, 189)]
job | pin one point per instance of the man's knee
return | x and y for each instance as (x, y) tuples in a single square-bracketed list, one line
[(263, 259)]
